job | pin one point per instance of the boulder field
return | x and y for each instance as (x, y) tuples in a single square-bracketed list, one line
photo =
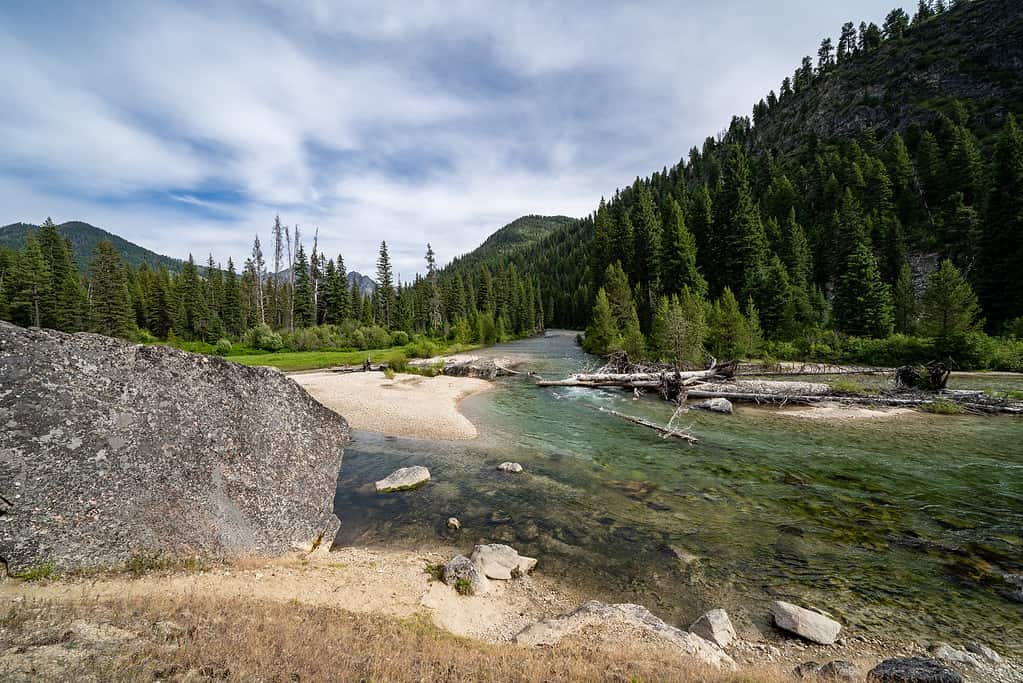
[(109, 448)]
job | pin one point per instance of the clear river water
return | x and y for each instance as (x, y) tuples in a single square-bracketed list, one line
[(904, 528)]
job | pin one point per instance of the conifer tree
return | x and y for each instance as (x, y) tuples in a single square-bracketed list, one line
[(680, 328), (948, 305), (304, 311), (110, 305), (863, 302), (231, 314), (31, 293), (904, 301), (385, 287), (64, 309), (1002, 250), (679, 255), (436, 320)]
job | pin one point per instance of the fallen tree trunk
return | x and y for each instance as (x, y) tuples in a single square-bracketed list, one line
[(888, 401), (663, 431), (755, 386), (629, 380)]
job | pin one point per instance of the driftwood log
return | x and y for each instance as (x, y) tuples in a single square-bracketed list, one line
[(663, 431)]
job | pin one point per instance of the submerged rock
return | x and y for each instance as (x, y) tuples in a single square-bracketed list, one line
[(109, 447), (715, 405), (497, 561), (716, 627), (461, 567), (806, 623), (403, 479), (551, 631), (454, 524), (913, 670), (513, 467)]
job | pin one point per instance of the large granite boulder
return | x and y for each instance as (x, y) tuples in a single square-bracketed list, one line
[(716, 627), (498, 561), (404, 479), (108, 448)]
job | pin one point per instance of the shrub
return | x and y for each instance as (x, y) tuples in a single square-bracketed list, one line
[(399, 338), (463, 586), (388, 373), (846, 386), (376, 337), (223, 347), (144, 336), (398, 364), (304, 339), (436, 572), (263, 338), (357, 340), (421, 347)]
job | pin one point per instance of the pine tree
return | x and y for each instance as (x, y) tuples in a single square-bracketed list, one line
[(772, 291), (385, 287), (110, 305), (679, 255), (602, 249), (863, 302), (65, 308), (31, 294), (304, 310), (161, 308), (1002, 250), (729, 335), (904, 300), (948, 305), (436, 321), (680, 328), (231, 315)]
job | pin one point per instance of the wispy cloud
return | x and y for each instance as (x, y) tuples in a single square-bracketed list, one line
[(186, 127)]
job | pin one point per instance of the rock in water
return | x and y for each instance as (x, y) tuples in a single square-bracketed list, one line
[(497, 561), (806, 623), (913, 670), (109, 447), (404, 479), (594, 613), (715, 405), (716, 627), (454, 524), (461, 567), (513, 467)]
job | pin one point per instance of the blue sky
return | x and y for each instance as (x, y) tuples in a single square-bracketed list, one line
[(186, 127)]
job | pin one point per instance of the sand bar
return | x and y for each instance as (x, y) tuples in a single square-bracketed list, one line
[(408, 405)]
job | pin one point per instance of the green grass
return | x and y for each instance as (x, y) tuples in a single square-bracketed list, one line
[(436, 571), (40, 572), (291, 361), (944, 408)]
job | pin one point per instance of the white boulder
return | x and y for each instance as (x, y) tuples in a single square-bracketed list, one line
[(404, 479), (803, 622), (716, 627), (513, 467), (715, 405), (497, 561)]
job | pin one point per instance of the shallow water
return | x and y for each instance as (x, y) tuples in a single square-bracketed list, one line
[(902, 528)]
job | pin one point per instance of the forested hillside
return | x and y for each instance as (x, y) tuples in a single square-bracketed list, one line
[(820, 222), (84, 239)]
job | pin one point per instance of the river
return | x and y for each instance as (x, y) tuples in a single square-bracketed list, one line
[(901, 528)]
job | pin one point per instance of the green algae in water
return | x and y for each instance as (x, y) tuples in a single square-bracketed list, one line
[(902, 527)]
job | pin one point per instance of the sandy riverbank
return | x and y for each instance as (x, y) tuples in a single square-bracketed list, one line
[(408, 405), (833, 412)]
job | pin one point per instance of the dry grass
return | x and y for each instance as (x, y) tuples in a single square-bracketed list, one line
[(238, 639)]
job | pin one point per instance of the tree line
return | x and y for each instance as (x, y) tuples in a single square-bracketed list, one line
[(301, 299)]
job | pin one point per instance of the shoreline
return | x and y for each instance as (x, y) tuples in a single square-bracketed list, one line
[(408, 405)]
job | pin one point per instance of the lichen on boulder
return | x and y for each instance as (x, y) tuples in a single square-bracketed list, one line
[(109, 447)]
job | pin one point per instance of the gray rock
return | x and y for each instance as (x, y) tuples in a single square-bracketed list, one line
[(110, 447), (950, 655), (806, 623), (913, 670), (984, 652), (807, 670), (454, 524), (403, 479), (716, 627), (715, 405), (513, 467), (551, 631), (461, 567), (839, 670), (497, 561)]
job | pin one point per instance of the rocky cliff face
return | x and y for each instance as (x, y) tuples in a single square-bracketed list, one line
[(973, 53), (108, 448)]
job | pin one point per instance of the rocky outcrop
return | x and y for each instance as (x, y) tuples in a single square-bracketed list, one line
[(551, 631), (716, 627), (502, 562), (806, 623), (109, 447), (403, 479), (913, 670)]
